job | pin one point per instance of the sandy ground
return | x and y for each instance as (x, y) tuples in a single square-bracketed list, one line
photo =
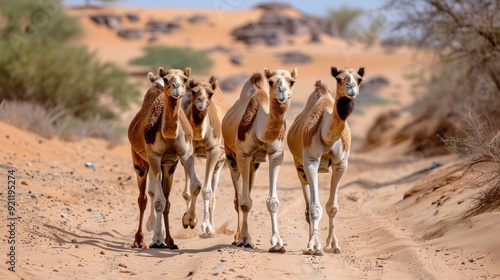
[(77, 222)]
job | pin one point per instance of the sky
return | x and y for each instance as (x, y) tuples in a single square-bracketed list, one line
[(312, 7)]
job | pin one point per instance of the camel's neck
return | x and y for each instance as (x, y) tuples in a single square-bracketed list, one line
[(343, 108), (276, 118), (197, 118), (171, 115)]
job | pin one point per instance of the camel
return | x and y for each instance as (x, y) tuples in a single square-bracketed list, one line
[(253, 128), (320, 136), (205, 111), (160, 136)]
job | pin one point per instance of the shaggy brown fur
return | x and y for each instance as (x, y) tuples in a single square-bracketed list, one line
[(317, 101), (253, 105), (154, 98)]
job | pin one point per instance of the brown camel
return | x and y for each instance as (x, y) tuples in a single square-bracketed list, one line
[(160, 136), (320, 136), (253, 128), (206, 109)]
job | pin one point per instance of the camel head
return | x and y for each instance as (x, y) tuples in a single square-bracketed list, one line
[(175, 81), (348, 81), (201, 92), (280, 83)]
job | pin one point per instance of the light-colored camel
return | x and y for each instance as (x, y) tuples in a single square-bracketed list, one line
[(253, 128), (206, 109), (160, 136), (320, 136)]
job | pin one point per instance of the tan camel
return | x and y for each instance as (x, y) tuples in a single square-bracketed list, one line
[(320, 136), (160, 136), (206, 109), (253, 128)]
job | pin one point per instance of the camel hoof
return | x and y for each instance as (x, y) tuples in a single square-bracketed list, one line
[(277, 249), (139, 245), (336, 251), (207, 235), (189, 222), (308, 252), (318, 253), (174, 247), (249, 245), (158, 246)]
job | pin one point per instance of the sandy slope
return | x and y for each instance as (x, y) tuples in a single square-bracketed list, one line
[(75, 222), (381, 235)]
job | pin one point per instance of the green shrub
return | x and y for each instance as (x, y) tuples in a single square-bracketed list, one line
[(64, 76), (174, 57), (40, 65)]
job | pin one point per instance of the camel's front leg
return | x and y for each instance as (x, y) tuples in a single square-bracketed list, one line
[(245, 202), (215, 183), (189, 218), (273, 204), (311, 166), (168, 176), (332, 207), (158, 201), (207, 229)]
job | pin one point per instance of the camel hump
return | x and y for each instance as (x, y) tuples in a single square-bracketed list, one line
[(257, 80), (154, 123), (320, 87)]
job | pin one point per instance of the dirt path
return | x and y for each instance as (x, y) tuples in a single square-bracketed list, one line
[(75, 222)]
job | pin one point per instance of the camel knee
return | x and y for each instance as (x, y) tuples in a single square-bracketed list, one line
[(186, 196), (140, 170), (142, 200), (332, 211), (246, 205), (315, 212), (207, 194), (273, 205)]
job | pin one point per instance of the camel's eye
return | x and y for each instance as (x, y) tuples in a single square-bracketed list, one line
[(292, 82), (185, 80), (270, 83)]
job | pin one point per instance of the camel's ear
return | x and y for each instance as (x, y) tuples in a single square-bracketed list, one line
[(162, 72), (361, 71), (151, 77), (295, 72), (335, 73), (267, 73), (187, 71), (191, 84), (213, 81)]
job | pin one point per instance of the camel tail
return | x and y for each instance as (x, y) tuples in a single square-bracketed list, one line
[(257, 80)]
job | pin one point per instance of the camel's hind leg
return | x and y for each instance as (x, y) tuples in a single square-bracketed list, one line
[(332, 206), (209, 231), (186, 194), (141, 168), (189, 219), (168, 176), (236, 178)]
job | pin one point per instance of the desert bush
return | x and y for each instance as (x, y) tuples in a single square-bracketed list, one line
[(174, 57), (39, 65), (57, 122), (344, 17), (357, 23), (466, 36), (69, 77)]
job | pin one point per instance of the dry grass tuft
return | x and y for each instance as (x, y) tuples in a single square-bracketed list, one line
[(56, 123)]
